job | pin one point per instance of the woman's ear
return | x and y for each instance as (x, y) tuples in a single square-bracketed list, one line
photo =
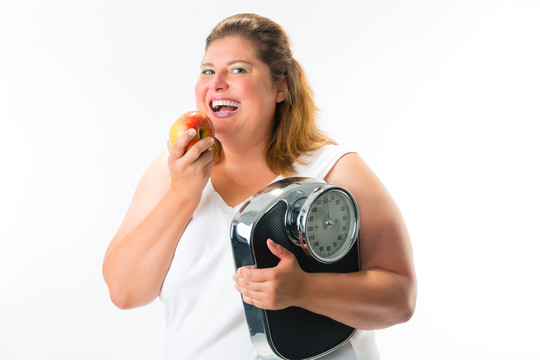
[(282, 89)]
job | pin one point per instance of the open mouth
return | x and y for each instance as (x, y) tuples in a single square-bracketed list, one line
[(224, 107)]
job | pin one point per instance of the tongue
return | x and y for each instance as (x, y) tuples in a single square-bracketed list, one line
[(227, 108)]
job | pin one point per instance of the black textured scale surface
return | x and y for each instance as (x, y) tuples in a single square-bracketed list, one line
[(297, 333)]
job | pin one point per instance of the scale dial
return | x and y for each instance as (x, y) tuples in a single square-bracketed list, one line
[(325, 223)]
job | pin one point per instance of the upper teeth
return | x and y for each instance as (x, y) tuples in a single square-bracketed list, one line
[(217, 103)]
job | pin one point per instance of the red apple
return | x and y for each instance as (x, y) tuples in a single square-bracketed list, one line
[(192, 120)]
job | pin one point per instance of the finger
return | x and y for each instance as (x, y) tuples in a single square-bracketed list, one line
[(258, 301), (278, 250), (178, 148), (254, 275), (200, 147), (248, 300), (243, 285), (206, 158), (205, 144), (251, 297)]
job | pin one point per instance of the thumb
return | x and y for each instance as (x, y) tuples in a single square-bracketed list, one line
[(278, 250)]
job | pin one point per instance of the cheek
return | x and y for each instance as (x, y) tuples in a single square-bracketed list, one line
[(200, 95), (268, 98), (264, 94)]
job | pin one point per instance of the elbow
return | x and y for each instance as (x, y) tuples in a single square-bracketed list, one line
[(394, 314), (406, 306), (401, 305), (117, 294), (405, 311), (120, 293), (125, 299), (119, 299)]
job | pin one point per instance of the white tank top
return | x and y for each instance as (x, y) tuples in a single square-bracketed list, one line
[(203, 311)]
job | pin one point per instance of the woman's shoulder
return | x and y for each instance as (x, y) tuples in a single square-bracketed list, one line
[(337, 149), (320, 161)]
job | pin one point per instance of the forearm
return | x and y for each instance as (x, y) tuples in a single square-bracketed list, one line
[(370, 299), (136, 263)]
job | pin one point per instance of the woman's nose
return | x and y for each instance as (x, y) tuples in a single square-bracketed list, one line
[(219, 82)]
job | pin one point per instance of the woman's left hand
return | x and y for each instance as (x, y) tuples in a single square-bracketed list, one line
[(272, 288)]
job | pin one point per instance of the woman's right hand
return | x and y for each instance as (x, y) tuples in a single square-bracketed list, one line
[(190, 170)]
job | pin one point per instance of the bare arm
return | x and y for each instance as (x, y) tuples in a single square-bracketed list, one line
[(382, 294), (140, 254)]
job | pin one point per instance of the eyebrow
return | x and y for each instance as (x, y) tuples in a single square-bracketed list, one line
[(229, 63)]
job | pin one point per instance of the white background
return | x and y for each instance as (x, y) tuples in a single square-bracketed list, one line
[(439, 97)]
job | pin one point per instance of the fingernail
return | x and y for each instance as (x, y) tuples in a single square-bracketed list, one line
[(191, 132)]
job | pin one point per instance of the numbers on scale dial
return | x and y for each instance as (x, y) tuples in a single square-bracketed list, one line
[(328, 223)]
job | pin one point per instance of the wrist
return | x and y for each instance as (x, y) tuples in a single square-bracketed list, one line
[(305, 294)]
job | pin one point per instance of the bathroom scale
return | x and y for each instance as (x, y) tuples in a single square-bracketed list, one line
[(317, 222)]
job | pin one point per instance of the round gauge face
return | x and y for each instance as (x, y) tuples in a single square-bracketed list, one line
[(331, 225)]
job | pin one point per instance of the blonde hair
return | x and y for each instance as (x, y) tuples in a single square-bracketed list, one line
[(295, 132)]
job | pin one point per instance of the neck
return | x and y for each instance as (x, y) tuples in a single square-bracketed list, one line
[(244, 163), (240, 174), (245, 167)]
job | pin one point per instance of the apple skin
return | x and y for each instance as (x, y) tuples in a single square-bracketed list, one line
[(192, 120)]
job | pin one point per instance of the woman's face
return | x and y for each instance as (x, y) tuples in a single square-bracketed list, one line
[(235, 89)]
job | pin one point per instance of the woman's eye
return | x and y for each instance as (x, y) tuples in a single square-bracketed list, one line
[(238, 70), (207, 71)]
